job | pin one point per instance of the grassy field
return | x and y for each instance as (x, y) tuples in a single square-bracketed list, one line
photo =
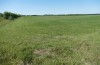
[(50, 40)]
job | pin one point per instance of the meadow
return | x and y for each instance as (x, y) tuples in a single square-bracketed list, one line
[(50, 40)]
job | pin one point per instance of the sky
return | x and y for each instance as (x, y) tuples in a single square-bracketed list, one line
[(40, 7)]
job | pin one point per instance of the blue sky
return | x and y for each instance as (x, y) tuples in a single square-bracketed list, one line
[(32, 7)]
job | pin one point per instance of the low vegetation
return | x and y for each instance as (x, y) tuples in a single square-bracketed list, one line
[(50, 40)]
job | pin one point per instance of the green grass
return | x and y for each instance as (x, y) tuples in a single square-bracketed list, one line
[(3, 22), (51, 40)]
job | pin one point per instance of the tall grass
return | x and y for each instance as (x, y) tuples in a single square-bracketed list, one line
[(51, 40)]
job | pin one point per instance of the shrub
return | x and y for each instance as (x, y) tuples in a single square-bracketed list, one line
[(1, 15), (11, 16)]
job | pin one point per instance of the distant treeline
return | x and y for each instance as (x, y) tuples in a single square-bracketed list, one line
[(62, 15), (68, 14), (9, 15)]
